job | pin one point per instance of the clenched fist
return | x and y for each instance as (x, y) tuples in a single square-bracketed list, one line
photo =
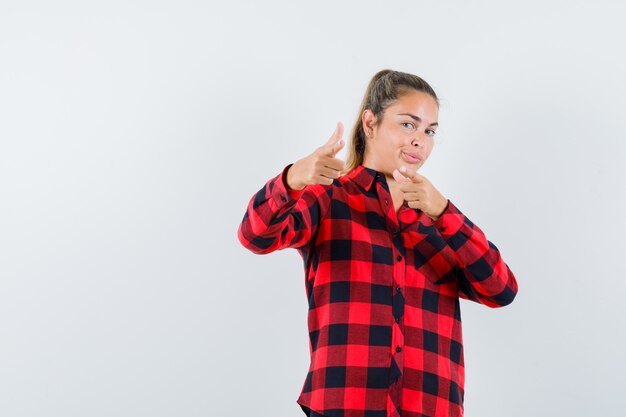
[(420, 193), (321, 167)]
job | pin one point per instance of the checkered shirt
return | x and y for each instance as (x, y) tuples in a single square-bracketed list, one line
[(383, 293)]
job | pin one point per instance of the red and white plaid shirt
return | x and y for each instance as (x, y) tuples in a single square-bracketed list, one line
[(384, 316)]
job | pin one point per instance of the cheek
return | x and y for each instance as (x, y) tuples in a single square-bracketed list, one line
[(399, 141), (429, 149)]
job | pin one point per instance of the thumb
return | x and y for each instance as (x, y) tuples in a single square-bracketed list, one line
[(399, 177), (410, 175), (335, 138), (336, 148)]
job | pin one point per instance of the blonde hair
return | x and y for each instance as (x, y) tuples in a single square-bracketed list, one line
[(383, 90)]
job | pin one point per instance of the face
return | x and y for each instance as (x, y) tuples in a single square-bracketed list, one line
[(404, 136)]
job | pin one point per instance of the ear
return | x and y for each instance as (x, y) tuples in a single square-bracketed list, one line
[(369, 120)]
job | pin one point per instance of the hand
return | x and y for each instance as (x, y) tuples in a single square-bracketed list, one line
[(321, 167), (420, 193)]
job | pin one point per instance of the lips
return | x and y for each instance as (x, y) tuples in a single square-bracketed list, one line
[(411, 158)]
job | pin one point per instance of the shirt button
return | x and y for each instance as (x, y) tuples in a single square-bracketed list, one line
[(386, 201), (395, 231), (397, 319), (399, 258), (442, 229), (283, 198), (399, 289), (398, 349)]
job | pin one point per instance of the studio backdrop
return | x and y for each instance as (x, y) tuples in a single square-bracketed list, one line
[(134, 133)]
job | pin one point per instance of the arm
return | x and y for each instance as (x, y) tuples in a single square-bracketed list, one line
[(278, 217), (286, 211), (483, 275)]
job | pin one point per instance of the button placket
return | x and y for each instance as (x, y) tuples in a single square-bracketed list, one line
[(398, 269), (398, 305)]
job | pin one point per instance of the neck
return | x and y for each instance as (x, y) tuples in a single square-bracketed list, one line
[(371, 163)]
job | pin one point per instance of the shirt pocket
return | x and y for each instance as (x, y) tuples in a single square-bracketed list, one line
[(432, 257)]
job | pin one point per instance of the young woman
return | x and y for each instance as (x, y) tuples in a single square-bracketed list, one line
[(387, 258)]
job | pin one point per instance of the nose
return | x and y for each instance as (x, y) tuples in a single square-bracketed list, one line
[(417, 141)]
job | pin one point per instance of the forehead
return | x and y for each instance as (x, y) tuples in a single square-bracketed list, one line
[(417, 103)]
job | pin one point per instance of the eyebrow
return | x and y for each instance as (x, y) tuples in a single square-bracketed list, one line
[(414, 117)]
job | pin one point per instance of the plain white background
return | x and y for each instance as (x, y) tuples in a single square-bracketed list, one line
[(133, 134)]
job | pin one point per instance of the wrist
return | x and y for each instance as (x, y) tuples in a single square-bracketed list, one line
[(290, 182), (443, 207)]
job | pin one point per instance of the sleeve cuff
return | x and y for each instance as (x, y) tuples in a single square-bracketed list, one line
[(450, 221), (281, 193)]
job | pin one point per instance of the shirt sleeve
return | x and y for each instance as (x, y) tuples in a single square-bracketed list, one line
[(483, 275), (278, 217)]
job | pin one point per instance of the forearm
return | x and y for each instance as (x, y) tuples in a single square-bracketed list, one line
[(483, 274), (277, 217)]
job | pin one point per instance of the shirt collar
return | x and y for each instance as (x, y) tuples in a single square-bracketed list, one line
[(365, 177)]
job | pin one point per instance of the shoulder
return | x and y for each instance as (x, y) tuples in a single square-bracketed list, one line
[(339, 189)]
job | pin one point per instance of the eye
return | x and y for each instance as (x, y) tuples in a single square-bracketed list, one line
[(432, 132), (408, 125)]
